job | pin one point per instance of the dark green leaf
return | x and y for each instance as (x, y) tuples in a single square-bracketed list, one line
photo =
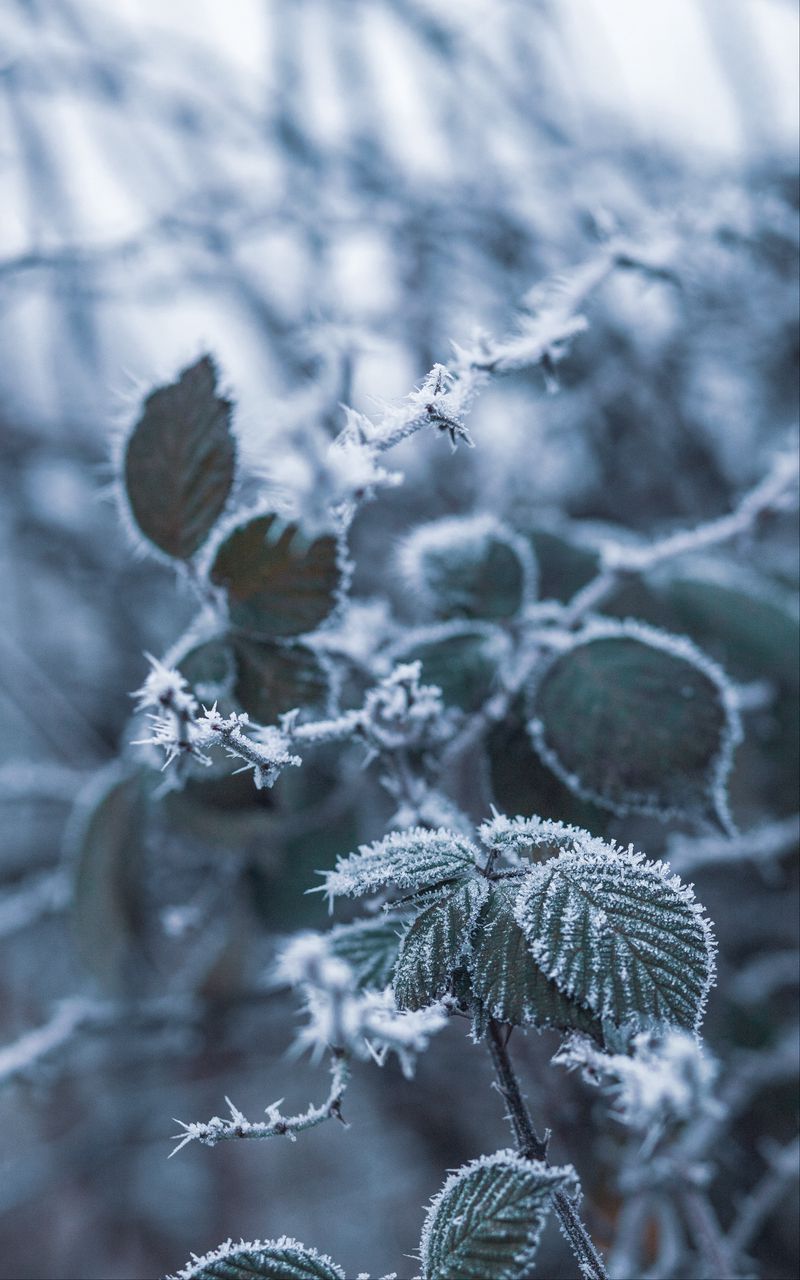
[(468, 567), (435, 944), (506, 980), (370, 947), (277, 584), (522, 782), (283, 1259), (564, 566), (209, 669), (486, 1221), (461, 660), (180, 462), (636, 721), (108, 851), (619, 935), (274, 678)]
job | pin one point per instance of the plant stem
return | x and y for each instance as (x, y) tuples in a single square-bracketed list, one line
[(535, 1148)]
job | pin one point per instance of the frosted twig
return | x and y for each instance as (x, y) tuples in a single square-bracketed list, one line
[(26, 1052), (277, 1125), (535, 1148), (774, 492), (39, 896), (784, 1168), (760, 845)]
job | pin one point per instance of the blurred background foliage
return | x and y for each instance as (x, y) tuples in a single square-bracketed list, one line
[(326, 194)]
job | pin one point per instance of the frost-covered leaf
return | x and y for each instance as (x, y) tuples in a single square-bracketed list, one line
[(273, 678), (370, 947), (414, 859), (468, 567), (107, 840), (506, 980), (522, 782), (461, 658), (209, 669), (564, 566), (180, 461), (486, 1221), (277, 583), (751, 627), (283, 1259), (637, 720), (618, 934), (435, 945)]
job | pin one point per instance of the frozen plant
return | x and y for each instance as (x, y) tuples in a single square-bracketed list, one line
[(468, 673)]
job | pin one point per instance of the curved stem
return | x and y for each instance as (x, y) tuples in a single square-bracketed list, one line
[(535, 1148)]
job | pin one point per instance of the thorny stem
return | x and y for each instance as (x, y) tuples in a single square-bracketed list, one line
[(532, 1147)]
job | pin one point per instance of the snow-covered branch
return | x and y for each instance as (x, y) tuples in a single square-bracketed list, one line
[(276, 1125)]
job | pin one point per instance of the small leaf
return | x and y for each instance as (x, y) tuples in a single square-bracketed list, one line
[(486, 1221), (414, 859), (435, 944), (283, 1259), (506, 980), (108, 844), (276, 582), (637, 721), (180, 461), (461, 658), (209, 669), (618, 934), (564, 566), (274, 678), (370, 947), (468, 567)]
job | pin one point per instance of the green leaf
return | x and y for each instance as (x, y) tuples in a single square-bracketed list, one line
[(274, 678), (486, 1221), (277, 583), (564, 566), (619, 935), (209, 669), (180, 461), (435, 945), (506, 980), (753, 629), (415, 859), (283, 1259), (637, 721), (108, 844), (468, 567), (462, 659), (370, 947), (522, 782)]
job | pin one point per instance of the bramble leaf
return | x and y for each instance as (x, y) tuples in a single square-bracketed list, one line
[(637, 721), (506, 980), (283, 1259), (277, 584), (414, 859), (435, 944), (209, 669), (461, 658), (468, 567), (486, 1221), (618, 934), (564, 566), (370, 947), (108, 858), (180, 461), (274, 678)]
